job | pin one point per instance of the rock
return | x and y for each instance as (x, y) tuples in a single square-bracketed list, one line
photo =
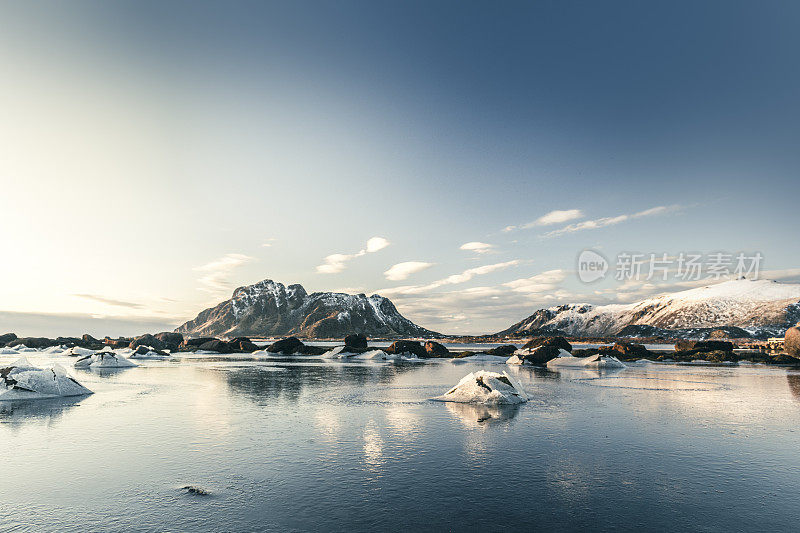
[(121, 342), (23, 381), (356, 341), (412, 347), (6, 338), (33, 342), (171, 341), (629, 350), (194, 343), (148, 350), (215, 346), (286, 346), (538, 356), (791, 342), (198, 491), (89, 339), (146, 340), (487, 388), (242, 344), (507, 350), (704, 346), (310, 350), (558, 342), (435, 349), (783, 359)]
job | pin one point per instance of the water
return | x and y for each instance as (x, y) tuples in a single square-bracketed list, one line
[(354, 446)]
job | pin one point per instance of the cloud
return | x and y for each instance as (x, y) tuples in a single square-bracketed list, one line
[(553, 217), (335, 263), (611, 221), (269, 242), (455, 279), (109, 301), (402, 271), (547, 281), (217, 272), (477, 247)]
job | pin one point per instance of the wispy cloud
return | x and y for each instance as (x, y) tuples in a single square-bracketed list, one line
[(402, 271), (547, 281), (109, 301), (477, 247), (268, 243), (455, 279), (559, 216), (216, 273), (611, 221), (335, 263)]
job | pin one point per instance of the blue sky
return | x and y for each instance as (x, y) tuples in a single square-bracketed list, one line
[(153, 149)]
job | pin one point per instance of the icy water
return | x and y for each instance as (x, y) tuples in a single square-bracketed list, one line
[(356, 446)]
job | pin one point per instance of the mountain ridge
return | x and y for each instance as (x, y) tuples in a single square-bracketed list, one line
[(269, 308)]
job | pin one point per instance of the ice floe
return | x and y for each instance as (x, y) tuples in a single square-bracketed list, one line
[(104, 359), (8, 351), (593, 361), (23, 381), (487, 388), (77, 351)]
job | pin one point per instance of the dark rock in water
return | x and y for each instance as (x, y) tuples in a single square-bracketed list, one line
[(540, 355), (728, 332), (412, 347), (714, 356), (6, 338), (791, 342), (193, 343), (783, 359), (705, 346), (558, 342), (310, 350), (586, 352), (507, 350), (629, 350), (146, 340), (357, 341), (171, 341), (33, 342), (242, 344), (121, 342), (199, 491), (435, 349), (286, 346), (88, 338), (144, 350), (215, 346)]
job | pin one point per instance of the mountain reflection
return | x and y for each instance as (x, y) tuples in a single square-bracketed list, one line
[(794, 385), (289, 381), (50, 411)]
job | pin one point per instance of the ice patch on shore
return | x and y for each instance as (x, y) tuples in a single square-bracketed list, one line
[(485, 387), (23, 381)]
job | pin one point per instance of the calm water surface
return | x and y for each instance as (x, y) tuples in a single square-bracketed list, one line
[(354, 446)]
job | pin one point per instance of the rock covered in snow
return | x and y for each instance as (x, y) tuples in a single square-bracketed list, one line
[(486, 388), (104, 359), (148, 352), (593, 361), (537, 356), (23, 381), (77, 351)]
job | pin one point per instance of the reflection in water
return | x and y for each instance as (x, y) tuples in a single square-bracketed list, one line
[(794, 385), (288, 381), (477, 415), (26, 411)]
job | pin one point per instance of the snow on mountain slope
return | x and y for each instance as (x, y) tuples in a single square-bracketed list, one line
[(268, 308), (756, 306)]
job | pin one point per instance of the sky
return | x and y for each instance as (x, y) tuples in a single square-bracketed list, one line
[(455, 157)]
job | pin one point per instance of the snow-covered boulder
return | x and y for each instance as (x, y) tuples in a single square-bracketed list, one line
[(104, 359), (55, 350), (21, 348), (536, 356), (8, 351), (593, 361), (23, 381), (486, 388), (340, 352), (148, 352), (77, 351)]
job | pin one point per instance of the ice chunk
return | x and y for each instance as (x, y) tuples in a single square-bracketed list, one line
[(77, 351), (8, 351), (487, 388), (104, 359), (340, 352), (23, 381), (593, 361)]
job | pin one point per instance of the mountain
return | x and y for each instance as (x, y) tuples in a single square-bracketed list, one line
[(761, 307), (271, 309)]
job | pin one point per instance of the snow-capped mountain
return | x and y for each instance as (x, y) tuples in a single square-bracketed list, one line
[(268, 308), (760, 307)]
